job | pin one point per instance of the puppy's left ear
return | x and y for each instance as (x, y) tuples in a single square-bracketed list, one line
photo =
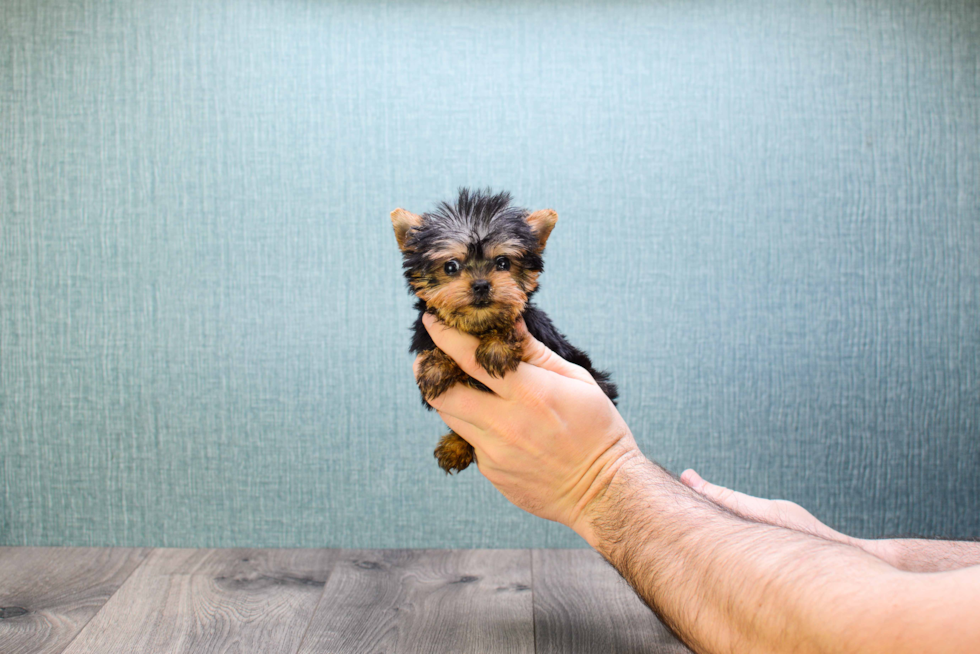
[(403, 221), (542, 222)]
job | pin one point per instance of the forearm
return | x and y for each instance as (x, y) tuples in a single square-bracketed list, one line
[(910, 555), (922, 555), (723, 583), (551, 441)]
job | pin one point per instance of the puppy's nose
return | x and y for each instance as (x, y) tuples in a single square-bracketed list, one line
[(481, 288)]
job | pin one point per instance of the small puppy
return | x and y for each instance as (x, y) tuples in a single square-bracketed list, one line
[(475, 265)]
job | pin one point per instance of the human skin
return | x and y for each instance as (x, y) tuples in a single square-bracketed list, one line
[(723, 580), (909, 554)]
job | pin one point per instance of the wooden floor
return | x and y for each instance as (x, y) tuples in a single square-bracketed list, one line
[(130, 601)]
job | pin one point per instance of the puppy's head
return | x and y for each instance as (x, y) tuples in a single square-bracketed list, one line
[(475, 262)]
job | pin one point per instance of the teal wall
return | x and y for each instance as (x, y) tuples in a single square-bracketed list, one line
[(770, 233)]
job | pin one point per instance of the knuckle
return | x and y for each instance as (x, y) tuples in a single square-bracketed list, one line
[(532, 395), (728, 498), (468, 362), (786, 506), (468, 405), (717, 492)]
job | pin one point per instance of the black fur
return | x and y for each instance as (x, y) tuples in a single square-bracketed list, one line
[(422, 342), (540, 326), (480, 218)]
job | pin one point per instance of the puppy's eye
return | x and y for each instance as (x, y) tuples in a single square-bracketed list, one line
[(503, 263), (451, 267)]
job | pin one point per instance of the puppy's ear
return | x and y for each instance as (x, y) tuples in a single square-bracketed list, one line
[(542, 222), (403, 221)]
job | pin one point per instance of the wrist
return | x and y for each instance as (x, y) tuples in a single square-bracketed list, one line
[(619, 478)]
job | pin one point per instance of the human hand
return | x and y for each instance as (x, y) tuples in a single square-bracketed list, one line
[(779, 513), (548, 438)]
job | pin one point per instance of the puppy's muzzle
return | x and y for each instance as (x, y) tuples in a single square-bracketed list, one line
[(481, 292)]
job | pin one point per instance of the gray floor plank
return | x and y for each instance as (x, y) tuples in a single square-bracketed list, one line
[(202, 601), (582, 605), (426, 601), (48, 594)]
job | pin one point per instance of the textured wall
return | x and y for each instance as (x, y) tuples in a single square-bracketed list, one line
[(770, 233)]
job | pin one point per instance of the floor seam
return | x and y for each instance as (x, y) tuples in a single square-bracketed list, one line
[(534, 620), (108, 599), (333, 565)]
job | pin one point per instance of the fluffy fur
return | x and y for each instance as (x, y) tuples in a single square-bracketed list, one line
[(475, 265)]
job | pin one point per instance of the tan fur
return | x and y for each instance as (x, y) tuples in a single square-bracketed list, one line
[(403, 222), (454, 453), (500, 352), (531, 281), (505, 249), (451, 294), (506, 290), (451, 298), (449, 251), (542, 222), (437, 373)]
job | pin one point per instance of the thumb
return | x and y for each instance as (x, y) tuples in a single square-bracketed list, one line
[(540, 355), (726, 497), (460, 347), (692, 480)]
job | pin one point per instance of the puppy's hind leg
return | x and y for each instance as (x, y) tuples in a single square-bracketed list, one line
[(454, 453)]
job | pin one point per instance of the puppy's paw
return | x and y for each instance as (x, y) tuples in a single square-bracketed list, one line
[(437, 373), (499, 355), (453, 453)]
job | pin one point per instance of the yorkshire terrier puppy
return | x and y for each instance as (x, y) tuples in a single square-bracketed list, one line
[(475, 265)]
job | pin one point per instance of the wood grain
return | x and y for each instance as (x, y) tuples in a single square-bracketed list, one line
[(203, 601), (426, 601), (582, 605), (48, 594)]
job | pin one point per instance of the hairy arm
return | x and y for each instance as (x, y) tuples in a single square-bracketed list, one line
[(924, 555), (909, 554), (724, 583), (554, 445)]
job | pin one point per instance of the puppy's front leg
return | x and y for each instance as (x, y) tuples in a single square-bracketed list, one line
[(437, 373), (500, 352)]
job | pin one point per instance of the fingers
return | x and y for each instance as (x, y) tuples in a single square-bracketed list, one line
[(468, 404), (718, 494), (461, 402), (540, 355), (472, 434), (780, 513), (692, 480), (747, 506), (461, 348)]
